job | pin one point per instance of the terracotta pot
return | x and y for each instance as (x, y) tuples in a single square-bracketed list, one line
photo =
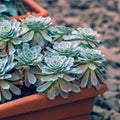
[(39, 107), (36, 8)]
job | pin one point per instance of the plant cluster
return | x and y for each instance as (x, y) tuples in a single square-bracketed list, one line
[(54, 59)]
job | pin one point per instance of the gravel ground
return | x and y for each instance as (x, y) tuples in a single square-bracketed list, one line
[(104, 17)]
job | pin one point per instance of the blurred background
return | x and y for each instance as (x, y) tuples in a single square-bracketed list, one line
[(104, 17)]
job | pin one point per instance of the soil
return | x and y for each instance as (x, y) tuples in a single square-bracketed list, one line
[(104, 17)]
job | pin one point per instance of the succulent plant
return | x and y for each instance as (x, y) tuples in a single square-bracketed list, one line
[(53, 59), (3, 8), (68, 49), (57, 32), (6, 87), (38, 25), (56, 76), (84, 36), (91, 67), (11, 33), (28, 57)]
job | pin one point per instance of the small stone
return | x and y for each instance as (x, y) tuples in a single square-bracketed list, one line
[(109, 94), (98, 110), (111, 87), (112, 103), (114, 115), (95, 117), (101, 113), (100, 101), (119, 87)]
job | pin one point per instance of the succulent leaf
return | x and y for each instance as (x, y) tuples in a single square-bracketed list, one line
[(31, 78)]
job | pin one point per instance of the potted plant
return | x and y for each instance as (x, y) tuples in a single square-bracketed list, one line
[(51, 61)]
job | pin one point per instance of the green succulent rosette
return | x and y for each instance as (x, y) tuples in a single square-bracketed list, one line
[(27, 59), (6, 77), (90, 64), (57, 32), (56, 76), (85, 37), (11, 34), (68, 49), (38, 26)]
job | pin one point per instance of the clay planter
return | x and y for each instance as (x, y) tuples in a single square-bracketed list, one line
[(39, 107), (36, 8)]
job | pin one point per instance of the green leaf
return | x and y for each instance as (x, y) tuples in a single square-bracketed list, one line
[(44, 86), (68, 78), (49, 78), (51, 93), (3, 8), (10, 9), (64, 86), (15, 89), (93, 78), (16, 41), (6, 94), (5, 85), (11, 48), (92, 66), (2, 44), (9, 67), (3, 54), (15, 76), (64, 94), (38, 39), (7, 76), (45, 36), (85, 79), (31, 78), (28, 36), (75, 88)]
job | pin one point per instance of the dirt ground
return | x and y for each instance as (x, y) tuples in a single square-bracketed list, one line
[(104, 17)]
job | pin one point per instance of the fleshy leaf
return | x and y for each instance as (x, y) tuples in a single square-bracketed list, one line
[(93, 78), (49, 78), (84, 80), (28, 36), (64, 86), (45, 36), (4, 85), (15, 89), (44, 86), (92, 66), (51, 93), (31, 78), (6, 94), (11, 48)]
